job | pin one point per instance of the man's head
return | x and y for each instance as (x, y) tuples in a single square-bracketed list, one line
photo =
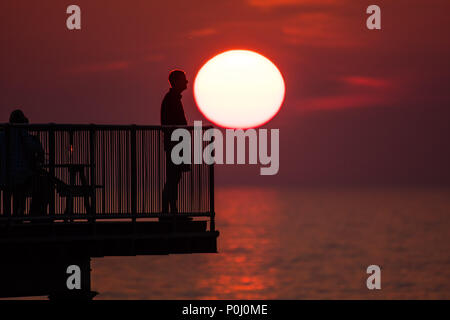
[(178, 81), (17, 116)]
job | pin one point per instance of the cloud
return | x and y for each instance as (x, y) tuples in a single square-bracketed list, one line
[(154, 58), (99, 67), (366, 82), (202, 32), (342, 101), (357, 92), (319, 29), (279, 3)]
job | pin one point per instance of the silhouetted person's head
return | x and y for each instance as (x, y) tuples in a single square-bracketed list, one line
[(178, 81), (17, 116)]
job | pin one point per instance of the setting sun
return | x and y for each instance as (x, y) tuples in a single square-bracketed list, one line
[(239, 89)]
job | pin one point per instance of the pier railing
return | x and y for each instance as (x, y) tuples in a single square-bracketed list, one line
[(102, 172)]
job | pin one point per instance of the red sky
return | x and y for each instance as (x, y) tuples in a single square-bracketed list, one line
[(362, 107)]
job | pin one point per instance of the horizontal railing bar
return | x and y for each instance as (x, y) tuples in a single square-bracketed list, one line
[(107, 216), (60, 126)]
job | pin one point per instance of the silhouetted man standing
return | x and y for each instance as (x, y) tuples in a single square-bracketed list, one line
[(172, 114)]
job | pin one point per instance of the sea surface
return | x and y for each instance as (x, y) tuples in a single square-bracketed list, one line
[(288, 243)]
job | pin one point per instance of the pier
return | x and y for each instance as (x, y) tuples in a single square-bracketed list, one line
[(105, 200)]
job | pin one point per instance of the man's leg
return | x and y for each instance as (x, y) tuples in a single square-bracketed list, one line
[(19, 194), (7, 194), (175, 180), (40, 195), (166, 189), (165, 199), (19, 201)]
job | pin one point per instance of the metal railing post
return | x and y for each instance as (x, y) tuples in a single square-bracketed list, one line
[(7, 192), (133, 173), (211, 197), (51, 162), (93, 204)]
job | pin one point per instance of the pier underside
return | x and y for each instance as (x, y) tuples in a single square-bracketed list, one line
[(35, 256)]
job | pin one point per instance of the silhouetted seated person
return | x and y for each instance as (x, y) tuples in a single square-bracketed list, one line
[(26, 156), (172, 114)]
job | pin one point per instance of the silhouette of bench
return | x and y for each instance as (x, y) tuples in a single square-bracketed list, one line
[(70, 190)]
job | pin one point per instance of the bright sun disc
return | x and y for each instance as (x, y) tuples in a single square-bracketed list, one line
[(239, 89)]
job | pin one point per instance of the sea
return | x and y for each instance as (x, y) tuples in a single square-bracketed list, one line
[(302, 243)]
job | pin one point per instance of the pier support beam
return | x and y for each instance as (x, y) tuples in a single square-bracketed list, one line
[(40, 274)]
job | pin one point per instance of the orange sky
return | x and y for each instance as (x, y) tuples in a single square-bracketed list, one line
[(364, 106)]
